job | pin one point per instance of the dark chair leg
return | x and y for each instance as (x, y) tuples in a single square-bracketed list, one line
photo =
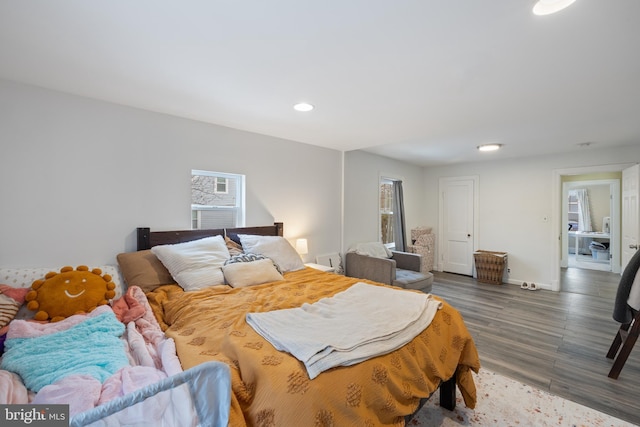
[(617, 341), (627, 336)]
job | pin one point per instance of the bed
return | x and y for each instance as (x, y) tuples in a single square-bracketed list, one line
[(271, 387), (193, 358)]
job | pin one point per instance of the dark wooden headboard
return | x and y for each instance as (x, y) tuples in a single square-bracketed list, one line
[(148, 239)]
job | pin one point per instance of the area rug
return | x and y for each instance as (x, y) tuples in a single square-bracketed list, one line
[(505, 402)]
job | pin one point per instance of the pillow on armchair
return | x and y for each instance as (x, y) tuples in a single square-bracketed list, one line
[(374, 249)]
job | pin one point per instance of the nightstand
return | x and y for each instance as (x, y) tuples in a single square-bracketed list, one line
[(321, 267)]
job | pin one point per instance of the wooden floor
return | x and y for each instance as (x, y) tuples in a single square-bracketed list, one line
[(555, 341)]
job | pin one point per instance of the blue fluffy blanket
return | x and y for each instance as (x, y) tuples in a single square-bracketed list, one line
[(92, 347)]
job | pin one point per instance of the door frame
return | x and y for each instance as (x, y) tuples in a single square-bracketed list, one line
[(629, 213), (441, 185), (556, 208)]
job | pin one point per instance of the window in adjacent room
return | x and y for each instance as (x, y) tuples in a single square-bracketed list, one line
[(217, 199)]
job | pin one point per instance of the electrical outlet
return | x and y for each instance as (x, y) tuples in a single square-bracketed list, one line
[(508, 270)]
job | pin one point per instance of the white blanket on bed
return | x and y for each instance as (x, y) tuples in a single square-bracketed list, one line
[(354, 325)]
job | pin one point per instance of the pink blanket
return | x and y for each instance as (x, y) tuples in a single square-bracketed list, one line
[(152, 357)]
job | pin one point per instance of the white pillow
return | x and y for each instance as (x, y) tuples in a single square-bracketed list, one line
[(241, 274), (275, 247), (374, 249), (196, 264)]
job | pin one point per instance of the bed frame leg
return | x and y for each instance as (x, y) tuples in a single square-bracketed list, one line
[(448, 393)]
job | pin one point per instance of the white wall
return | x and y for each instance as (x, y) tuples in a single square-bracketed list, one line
[(362, 195), (514, 197), (77, 176)]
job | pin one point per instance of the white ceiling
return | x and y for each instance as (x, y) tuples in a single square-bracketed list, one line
[(424, 81)]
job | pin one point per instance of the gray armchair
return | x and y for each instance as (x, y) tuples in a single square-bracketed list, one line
[(402, 270)]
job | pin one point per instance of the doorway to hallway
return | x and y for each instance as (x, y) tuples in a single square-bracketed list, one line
[(560, 223), (591, 215)]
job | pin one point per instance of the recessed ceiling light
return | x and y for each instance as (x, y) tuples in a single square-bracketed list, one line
[(547, 7), (489, 147), (303, 106)]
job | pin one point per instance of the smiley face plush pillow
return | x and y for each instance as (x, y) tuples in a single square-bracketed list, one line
[(60, 295)]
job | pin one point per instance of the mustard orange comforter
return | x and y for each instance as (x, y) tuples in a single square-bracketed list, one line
[(272, 388)]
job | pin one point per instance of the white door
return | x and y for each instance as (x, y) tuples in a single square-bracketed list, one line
[(630, 226), (457, 223)]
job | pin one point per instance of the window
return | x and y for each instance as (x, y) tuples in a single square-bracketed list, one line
[(386, 211), (573, 214), (217, 200), (392, 226)]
